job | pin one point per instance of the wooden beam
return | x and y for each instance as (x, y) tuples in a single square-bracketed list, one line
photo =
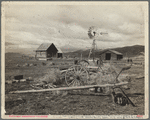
[(71, 88), (92, 67)]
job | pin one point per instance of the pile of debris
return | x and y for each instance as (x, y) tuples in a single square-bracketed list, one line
[(27, 65), (18, 79)]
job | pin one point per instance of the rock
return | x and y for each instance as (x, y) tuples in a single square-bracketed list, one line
[(31, 64), (15, 81), (17, 65), (29, 79), (50, 63), (19, 99), (34, 64), (64, 93), (43, 63), (18, 77), (57, 92), (26, 64), (8, 82), (22, 80), (92, 89)]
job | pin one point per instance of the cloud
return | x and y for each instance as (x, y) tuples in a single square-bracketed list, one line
[(27, 26), (131, 28)]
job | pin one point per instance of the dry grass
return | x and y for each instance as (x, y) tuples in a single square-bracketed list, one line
[(62, 103), (51, 76)]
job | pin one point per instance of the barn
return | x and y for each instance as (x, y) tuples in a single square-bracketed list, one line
[(48, 50), (110, 55)]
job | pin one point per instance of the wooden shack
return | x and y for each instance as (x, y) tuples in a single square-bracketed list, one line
[(110, 55), (48, 50)]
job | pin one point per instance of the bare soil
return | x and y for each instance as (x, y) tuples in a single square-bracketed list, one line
[(74, 102)]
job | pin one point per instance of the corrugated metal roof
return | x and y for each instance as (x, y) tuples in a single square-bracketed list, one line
[(113, 51), (45, 46)]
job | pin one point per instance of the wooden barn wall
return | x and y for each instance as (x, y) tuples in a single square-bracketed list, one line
[(41, 54), (113, 56), (103, 56), (52, 51)]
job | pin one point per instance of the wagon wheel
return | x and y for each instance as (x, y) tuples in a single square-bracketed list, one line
[(76, 75), (120, 99), (84, 63)]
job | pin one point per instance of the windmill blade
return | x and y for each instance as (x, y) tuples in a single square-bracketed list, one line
[(91, 32), (90, 35), (94, 32)]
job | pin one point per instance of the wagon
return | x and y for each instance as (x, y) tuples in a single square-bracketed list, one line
[(78, 76)]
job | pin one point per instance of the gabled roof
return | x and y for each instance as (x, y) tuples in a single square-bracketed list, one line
[(59, 50), (45, 46), (113, 51), (116, 52)]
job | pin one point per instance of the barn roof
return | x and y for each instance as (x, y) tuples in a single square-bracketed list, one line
[(59, 50), (45, 46), (113, 51), (116, 52)]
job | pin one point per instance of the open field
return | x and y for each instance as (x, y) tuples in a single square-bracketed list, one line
[(82, 102)]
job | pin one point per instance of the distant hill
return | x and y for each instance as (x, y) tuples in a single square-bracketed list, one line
[(129, 51)]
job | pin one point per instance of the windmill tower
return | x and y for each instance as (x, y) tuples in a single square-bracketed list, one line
[(93, 34)]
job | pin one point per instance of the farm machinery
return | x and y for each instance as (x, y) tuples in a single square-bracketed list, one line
[(78, 77)]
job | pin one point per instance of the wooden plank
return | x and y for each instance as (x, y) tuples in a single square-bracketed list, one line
[(92, 67), (71, 88), (63, 71)]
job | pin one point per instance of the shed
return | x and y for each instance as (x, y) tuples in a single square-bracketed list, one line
[(48, 50), (110, 55)]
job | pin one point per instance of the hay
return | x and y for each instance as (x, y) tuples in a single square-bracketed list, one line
[(52, 76), (107, 75)]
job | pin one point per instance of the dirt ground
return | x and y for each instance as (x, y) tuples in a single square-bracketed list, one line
[(82, 102)]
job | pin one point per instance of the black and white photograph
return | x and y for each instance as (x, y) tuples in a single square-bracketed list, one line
[(74, 60)]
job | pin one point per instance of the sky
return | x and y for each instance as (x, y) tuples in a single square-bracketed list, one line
[(66, 25)]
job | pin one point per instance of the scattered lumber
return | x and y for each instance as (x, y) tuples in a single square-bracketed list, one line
[(139, 77), (71, 88), (18, 77)]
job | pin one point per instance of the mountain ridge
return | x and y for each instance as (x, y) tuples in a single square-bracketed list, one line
[(127, 51)]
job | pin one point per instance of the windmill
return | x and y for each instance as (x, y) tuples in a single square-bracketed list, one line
[(93, 34)]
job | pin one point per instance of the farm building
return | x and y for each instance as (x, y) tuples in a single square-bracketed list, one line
[(48, 50), (110, 55)]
